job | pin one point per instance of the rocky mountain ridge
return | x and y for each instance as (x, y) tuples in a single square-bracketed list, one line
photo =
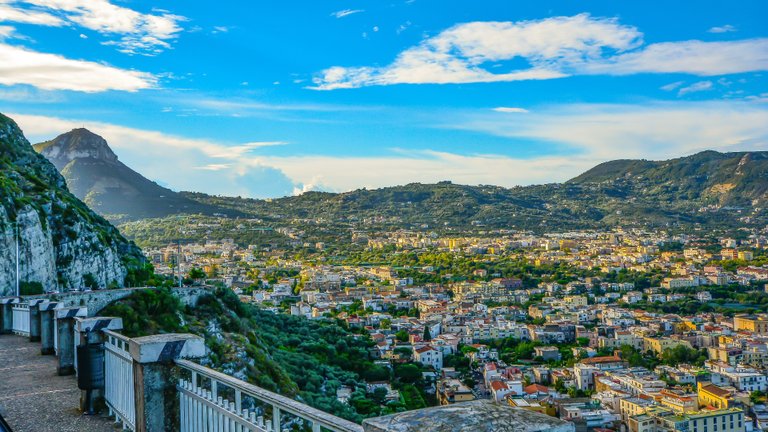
[(63, 244), (95, 175)]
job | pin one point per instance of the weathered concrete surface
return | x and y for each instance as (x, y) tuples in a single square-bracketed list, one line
[(475, 416), (153, 369), (33, 398), (95, 301)]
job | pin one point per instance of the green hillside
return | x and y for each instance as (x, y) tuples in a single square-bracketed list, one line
[(708, 188)]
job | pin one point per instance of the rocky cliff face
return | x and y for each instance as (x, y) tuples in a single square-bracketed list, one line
[(62, 243), (76, 144), (115, 191)]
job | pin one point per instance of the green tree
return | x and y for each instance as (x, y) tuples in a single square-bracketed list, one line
[(89, 281), (408, 373), (196, 273), (30, 288)]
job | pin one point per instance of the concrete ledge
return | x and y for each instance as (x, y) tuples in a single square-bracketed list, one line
[(476, 416), (75, 312), (47, 305), (165, 348), (96, 324)]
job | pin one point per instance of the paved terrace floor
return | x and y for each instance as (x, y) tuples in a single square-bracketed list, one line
[(34, 398)]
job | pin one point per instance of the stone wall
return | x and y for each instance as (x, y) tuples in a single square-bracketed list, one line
[(475, 416), (95, 301)]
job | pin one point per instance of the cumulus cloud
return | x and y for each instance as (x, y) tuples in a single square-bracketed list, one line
[(54, 72), (136, 32), (550, 48)]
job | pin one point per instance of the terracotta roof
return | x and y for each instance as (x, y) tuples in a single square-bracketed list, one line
[(499, 385), (536, 388), (715, 390), (604, 359), (422, 350)]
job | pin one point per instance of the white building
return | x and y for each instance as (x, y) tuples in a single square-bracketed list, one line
[(429, 356)]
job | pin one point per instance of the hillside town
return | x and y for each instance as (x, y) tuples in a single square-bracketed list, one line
[(641, 331)]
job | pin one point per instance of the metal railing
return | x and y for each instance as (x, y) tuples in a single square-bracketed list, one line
[(21, 319), (208, 400), (118, 379), (56, 336), (213, 401)]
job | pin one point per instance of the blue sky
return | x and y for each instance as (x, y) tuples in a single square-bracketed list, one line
[(267, 99)]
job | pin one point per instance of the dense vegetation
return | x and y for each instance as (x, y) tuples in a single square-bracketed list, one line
[(305, 359)]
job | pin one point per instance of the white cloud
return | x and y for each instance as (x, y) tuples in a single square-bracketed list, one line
[(695, 87), (655, 130), (762, 98), (243, 107), (22, 16), (6, 32), (550, 48), (21, 94), (690, 57), (510, 110), (572, 139), (239, 151), (457, 55), (722, 29), (182, 163), (138, 33), (672, 86), (347, 173), (214, 167), (346, 12), (54, 72)]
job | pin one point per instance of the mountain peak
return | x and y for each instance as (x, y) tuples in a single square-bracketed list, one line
[(79, 143), (108, 186)]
